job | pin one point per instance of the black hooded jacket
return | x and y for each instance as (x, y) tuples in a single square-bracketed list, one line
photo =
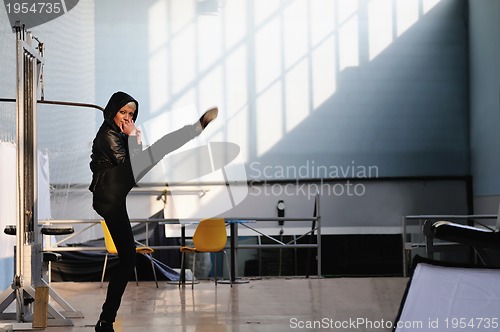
[(111, 147)]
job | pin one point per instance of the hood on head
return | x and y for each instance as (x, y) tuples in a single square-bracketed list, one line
[(117, 101)]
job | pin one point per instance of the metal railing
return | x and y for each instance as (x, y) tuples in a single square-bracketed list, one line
[(233, 222), (414, 225)]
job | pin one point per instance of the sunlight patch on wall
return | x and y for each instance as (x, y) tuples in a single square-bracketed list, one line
[(184, 54), (210, 89), (158, 79), (379, 26), (324, 73), (236, 127), (236, 80), (182, 15), (158, 70), (322, 21), (323, 54), (263, 10), (383, 14), (348, 34), (166, 122), (269, 112), (268, 62), (208, 41), (236, 110), (188, 97), (407, 15), (157, 26), (429, 4), (235, 23), (296, 95), (295, 32), (349, 43)]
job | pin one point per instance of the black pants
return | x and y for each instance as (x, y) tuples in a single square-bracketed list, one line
[(110, 194), (118, 223)]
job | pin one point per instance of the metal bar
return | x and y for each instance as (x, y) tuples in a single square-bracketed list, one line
[(403, 235), (419, 219), (265, 235), (69, 103), (242, 246), (452, 216), (303, 235), (274, 246), (74, 234), (33, 84), (167, 220), (273, 219), (20, 162), (57, 102), (61, 249)]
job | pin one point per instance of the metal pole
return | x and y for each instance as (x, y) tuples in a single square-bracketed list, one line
[(28, 256), (28, 253), (318, 232), (17, 282)]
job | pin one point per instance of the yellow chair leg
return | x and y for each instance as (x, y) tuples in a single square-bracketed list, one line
[(104, 268), (192, 277), (182, 267), (228, 268), (215, 268), (154, 271)]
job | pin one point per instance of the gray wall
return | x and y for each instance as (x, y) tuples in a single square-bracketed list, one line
[(359, 87), (484, 28), (368, 207), (375, 83)]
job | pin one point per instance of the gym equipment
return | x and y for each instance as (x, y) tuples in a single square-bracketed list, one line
[(29, 289)]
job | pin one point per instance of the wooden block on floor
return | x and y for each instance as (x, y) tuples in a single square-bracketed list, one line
[(40, 307)]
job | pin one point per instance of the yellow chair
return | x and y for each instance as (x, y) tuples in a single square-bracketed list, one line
[(210, 236), (111, 249)]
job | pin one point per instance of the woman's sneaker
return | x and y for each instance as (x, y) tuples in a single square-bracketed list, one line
[(208, 117)]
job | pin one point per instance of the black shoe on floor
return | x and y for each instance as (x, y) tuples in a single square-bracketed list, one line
[(102, 326)]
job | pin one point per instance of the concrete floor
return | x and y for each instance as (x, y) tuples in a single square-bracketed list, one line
[(275, 304)]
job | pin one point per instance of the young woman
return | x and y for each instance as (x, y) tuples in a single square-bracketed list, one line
[(117, 163)]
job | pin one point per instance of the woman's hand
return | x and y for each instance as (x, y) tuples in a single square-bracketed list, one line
[(128, 128)]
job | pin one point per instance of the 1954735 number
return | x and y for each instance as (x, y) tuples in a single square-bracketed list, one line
[(34, 8)]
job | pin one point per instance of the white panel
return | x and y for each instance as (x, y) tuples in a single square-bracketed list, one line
[(8, 211), (447, 299)]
